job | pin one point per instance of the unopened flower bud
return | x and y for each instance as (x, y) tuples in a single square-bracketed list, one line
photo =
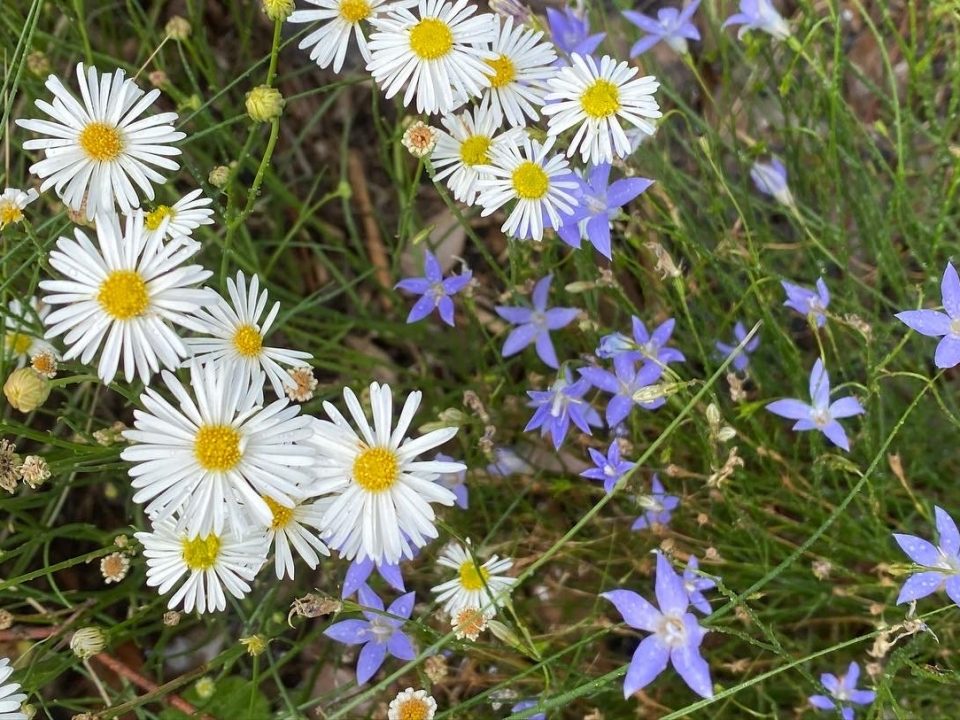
[(264, 103), (255, 644), (654, 392), (205, 687), (26, 390), (277, 9), (38, 63), (158, 78), (219, 176), (171, 618), (178, 28), (87, 642)]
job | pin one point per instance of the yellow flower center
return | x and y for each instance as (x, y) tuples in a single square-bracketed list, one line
[(248, 341), (473, 577), (530, 182), (353, 11), (217, 447), (18, 343), (413, 709), (431, 39), (9, 213), (123, 295), (281, 515), (200, 553), (473, 150), (153, 220), (376, 469), (101, 142), (601, 99), (504, 69)]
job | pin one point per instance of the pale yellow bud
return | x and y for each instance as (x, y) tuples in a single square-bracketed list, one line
[(277, 9), (178, 28), (87, 642), (264, 103), (219, 176), (26, 390)]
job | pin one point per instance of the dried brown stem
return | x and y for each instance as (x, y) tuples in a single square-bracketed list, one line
[(149, 686), (374, 243)]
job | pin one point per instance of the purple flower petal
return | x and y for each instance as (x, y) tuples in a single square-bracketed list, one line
[(414, 285), (402, 606), (947, 354), (922, 552), (431, 267), (821, 702), (557, 318), (949, 537), (519, 338), (952, 586), (693, 669), (546, 351), (846, 407), (445, 306), (357, 575), (541, 292), (649, 660), (598, 233), (950, 289), (792, 409), (514, 315), (931, 323), (421, 308), (625, 190), (400, 647), (819, 385), (919, 586), (836, 434), (636, 611), (671, 595), (371, 658), (349, 632)]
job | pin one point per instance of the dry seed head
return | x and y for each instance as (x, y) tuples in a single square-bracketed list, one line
[(114, 567), (6, 619), (34, 471), (302, 384)]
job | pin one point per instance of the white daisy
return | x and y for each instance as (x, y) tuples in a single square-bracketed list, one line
[(12, 203), (215, 561), (382, 492), (597, 99), (10, 699), (236, 345), (213, 459), (123, 294), (182, 218), (521, 65), (412, 705), (20, 331), (540, 184), (439, 52), (330, 41), (290, 527), (465, 148), (99, 147), (475, 586)]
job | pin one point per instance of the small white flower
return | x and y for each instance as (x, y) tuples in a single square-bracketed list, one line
[(122, 294), (182, 218), (382, 493), (412, 705), (10, 699), (596, 98), (236, 346), (475, 586), (420, 139), (464, 149), (21, 330), (102, 148), (12, 203), (330, 41), (438, 53), (290, 527), (213, 458), (537, 181), (521, 65), (214, 561)]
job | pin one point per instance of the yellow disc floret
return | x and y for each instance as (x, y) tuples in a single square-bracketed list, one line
[(101, 142), (504, 71), (353, 11), (158, 215), (217, 447), (123, 295), (474, 150), (200, 553), (473, 577), (601, 99), (413, 709), (281, 515), (376, 469), (431, 38), (247, 341), (530, 182), (10, 212)]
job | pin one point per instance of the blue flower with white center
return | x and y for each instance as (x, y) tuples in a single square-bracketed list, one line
[(650, 346), (822, 415), (570, 32), (435, 290), (675, 634), (742, 360), (694, 583), (671, 25), (658, 506), (380, 634), (623, 383), (940, 563), (609, 468), (809, 303), (771, 179), (843, 692), (943, 325), (534, 325), (599, 202), (562, 404), (759, 15)]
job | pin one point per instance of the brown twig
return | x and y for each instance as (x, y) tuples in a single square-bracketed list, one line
[(150, 687), (374, 243)]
